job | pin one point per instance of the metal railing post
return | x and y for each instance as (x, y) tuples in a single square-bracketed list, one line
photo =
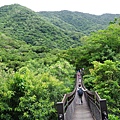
[(60, 110), (104, 112)]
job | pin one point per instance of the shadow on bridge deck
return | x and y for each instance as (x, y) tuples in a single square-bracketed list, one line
[(82, 112)]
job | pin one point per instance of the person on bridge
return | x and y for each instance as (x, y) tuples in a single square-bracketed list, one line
[(80, 91)]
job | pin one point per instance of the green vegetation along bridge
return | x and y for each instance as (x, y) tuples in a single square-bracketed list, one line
[(93, 107)]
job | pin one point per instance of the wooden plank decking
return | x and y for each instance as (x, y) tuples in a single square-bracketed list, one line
[(82, 111)]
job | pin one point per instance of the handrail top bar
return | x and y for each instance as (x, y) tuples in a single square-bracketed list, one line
[(97, 95), (68, 95), (64, 97), (91, 92), (99, 98), (59, 102), (102, 99)]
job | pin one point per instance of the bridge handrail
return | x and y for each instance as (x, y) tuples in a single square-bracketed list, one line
[(98, 106), (65, 108)]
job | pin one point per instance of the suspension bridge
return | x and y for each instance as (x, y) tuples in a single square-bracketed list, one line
[(93, 107)]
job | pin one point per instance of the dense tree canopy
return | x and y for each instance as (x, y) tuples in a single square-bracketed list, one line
[(33, 77)]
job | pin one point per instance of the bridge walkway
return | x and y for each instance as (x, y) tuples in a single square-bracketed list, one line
[(70, 109), (82, 111)]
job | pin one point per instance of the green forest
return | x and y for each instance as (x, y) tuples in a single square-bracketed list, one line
[(40, 53)]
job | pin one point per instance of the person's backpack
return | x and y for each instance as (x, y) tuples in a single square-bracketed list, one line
[(80, 91)]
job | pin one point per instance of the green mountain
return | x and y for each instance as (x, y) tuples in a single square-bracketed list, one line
[(24, 24), (50, 30), (78, 21)]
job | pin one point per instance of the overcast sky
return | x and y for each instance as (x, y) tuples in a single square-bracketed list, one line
[(97, 7)]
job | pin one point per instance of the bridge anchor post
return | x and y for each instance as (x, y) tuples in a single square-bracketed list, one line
[(60, 110), (104, 109)]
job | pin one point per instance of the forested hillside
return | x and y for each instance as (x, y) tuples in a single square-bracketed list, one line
[(50, 30), (24, 24), (34, 75), (78, 21)]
